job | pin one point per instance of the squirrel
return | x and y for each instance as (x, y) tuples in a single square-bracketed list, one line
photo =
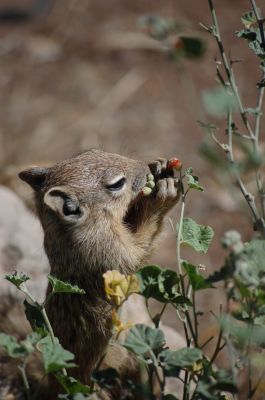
[(95, 219)]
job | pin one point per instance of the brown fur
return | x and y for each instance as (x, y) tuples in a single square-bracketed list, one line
[(110, 230)]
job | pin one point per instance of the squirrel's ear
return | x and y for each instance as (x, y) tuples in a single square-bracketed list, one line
[(63, 203), (35, 177)]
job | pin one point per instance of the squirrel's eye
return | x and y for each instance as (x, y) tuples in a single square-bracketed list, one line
[(117, 185)]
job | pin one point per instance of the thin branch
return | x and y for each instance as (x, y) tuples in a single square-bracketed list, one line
[(260, 22), (228, 69), (22, 369), (218, 347)]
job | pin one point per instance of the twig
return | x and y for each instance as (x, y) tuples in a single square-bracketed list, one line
[(206, 342), (22, 369), (259, 21), (229, 72), (180, 232)]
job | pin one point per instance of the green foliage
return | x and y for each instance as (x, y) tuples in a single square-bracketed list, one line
[(35, 318), (71, 385), (17, 278), (193, 182), (64, 287), (144, 341), (161, 285), (55, 357), (196, 280), (173, 361), (219, 101), (196, 236), (13, 348), (106, 378)]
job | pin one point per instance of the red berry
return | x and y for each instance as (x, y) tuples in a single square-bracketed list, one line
[(174, 163), (178, 44)]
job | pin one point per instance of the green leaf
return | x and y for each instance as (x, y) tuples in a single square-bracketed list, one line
[(249, 34), (31, 340), (55, 357), (243, 333), (219, 101), (188, 171), (35, 318), (64, 287), (172, 361), (70, 384), (197, 281), (77, 396), (157, 27), (196, 236), (170, 397), (106, 378), (167, 281), (17, 278), (143, 341), (193, 182), (148, 277), (158, 283), (13, 348), (249, 19), (193, 47)]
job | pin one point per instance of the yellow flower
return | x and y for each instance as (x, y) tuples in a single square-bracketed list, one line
[(118, 324), (197, 367), (118, 287)]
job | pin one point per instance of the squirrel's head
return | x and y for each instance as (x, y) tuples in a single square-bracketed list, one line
[(78, 189)]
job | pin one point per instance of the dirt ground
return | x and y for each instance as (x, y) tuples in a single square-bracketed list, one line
[(82, 75)]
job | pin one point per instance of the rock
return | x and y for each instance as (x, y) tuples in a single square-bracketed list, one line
[(21, 244)]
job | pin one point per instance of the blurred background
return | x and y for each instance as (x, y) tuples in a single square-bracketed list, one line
[(77, 74)]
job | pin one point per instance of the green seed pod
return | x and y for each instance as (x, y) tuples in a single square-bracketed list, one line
[(146, 191), (150, 184), (150, 177)]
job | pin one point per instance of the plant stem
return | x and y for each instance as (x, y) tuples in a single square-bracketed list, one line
[(22, 369), (259, 222), (228, 69), (160, 315), (42, 310), (179, 235), (259, 21), (218, 347)]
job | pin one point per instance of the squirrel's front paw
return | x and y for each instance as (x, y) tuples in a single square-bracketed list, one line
[(160, 168), (168, 191)]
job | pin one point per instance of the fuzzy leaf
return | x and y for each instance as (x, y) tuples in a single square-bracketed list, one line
[(193, 182), (159, 284), (218, 101), (248, 19), (148, 277), (35, 318), (71, 385), (143, 340), (17, 278), (13, 348), (197, 281), (55, 357), (196, 236), (64, 287), (172, 361)]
